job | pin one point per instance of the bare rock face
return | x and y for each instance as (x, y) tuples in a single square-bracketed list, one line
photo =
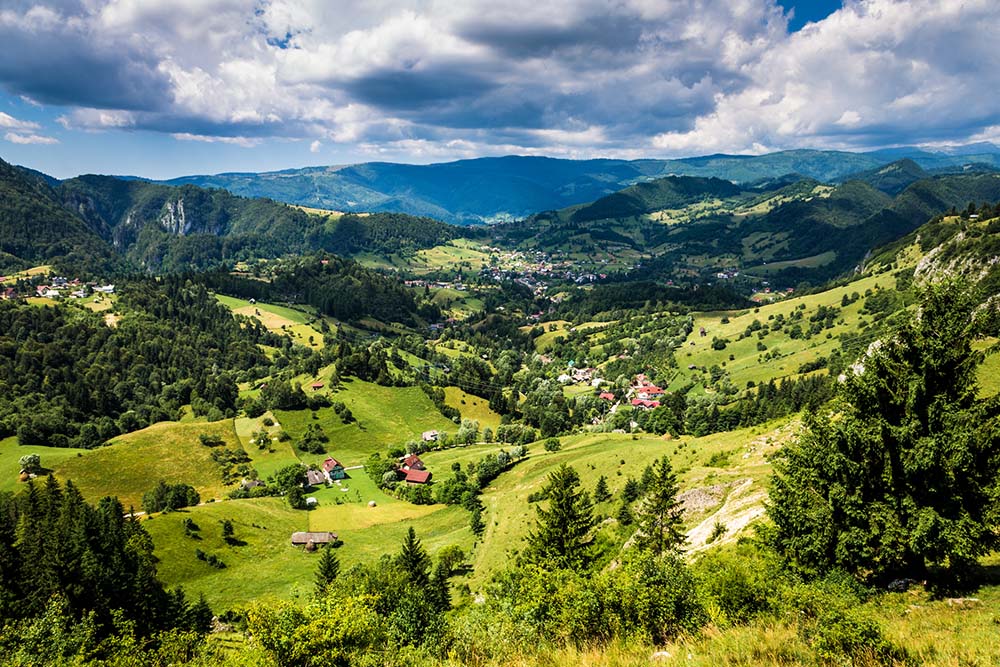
[(174, 220)]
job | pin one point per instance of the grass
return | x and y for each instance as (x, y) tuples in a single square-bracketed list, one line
[(384, 416), (509, 516), (472, 407), (745, 366), (270, 460), (292, 322), (11, 453), (132, 464), (268, 566)]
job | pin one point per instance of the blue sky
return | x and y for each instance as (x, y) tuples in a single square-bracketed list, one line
[(163, 88)]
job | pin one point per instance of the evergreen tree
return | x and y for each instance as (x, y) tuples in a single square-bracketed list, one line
[(630, 493), (601, 492), (413, 560), (659, 513), (327, 570), (561, 538), (624, 515), (905, 476), (476, 521)]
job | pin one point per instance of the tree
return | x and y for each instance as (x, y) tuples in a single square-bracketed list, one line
[(327, 570), (904, 473), (601, 492), (31, 463), (659, 513), (561, 538), (414, 561)]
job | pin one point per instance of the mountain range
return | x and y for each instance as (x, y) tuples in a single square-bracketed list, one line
[(497, 189)]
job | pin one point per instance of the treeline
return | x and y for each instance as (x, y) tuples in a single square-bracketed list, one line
[(626, 294), (335, 286), (68, 378), (81, 574), (381, 233)]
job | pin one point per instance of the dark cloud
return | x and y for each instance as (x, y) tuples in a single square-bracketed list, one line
[(418, 87)]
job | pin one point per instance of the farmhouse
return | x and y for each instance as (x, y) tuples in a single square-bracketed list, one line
[(430, 436), (417, 476), (606, 396), (305, 539), (316, 386), (333, 469), (315, 478), (412, 462), (644, 404)]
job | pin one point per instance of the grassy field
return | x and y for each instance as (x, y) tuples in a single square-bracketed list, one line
[(472, 407), (384, 416), (509, 516), (279, 319), (745, 364), (266, 461), (267, 565), (132, 464), (11, 453)]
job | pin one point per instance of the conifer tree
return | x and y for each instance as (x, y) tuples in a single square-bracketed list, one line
[(561, 538), (601, 492), (659, 513), (327, 570), (905, 474), (413, 560)]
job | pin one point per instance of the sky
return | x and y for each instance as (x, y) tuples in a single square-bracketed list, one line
[(163, 88)]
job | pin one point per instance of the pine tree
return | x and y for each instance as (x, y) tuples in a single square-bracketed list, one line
[(624, 515), (601, 492), (905, 476), (561, 538), (631, 491), (659, 513), (327, 570), (413, 560), (476, 521)]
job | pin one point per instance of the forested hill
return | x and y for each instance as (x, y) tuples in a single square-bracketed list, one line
[(682, 226), (36, 229)]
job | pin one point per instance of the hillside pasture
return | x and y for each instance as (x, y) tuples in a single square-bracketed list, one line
[(132, 464), (11, 453)]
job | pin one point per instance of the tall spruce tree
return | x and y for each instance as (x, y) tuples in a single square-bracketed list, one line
[(659, 513), (414, 561), (561, 538), (327, 570), (904, 473)]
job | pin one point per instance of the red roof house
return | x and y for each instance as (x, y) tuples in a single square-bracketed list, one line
[(606, 396), (418, 476), (316, 386), (412, 462), (641, 403)]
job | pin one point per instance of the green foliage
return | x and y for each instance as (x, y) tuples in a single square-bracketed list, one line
[(904, 476), (561, 538), (30, 463), (327, 569), (166, 497), (601, 492), (659, 515)]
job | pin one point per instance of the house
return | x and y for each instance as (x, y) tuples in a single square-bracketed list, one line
[(606, 396), (316, 386), (248, 484), (564, 379), (412, 462), (105, 289), (8, 293), (649, 392), (417, 476), (333, 469), (311, 502), (315, 478), (430, 436), (303, 539), (644, 404)]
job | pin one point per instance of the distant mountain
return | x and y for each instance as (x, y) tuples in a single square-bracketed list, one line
[(513, 187), (36, 229), (892, 178)]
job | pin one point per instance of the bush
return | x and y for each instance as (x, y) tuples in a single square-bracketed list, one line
[(553, 445)]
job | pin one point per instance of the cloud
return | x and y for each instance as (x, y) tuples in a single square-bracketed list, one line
[(246, 142), (563, 77), (11, 123), (315, 146), (18, 138)]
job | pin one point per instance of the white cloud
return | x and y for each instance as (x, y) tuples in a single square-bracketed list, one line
[(18, 138), (9, 122), (577, 77), (246, 142), (315, 146)]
